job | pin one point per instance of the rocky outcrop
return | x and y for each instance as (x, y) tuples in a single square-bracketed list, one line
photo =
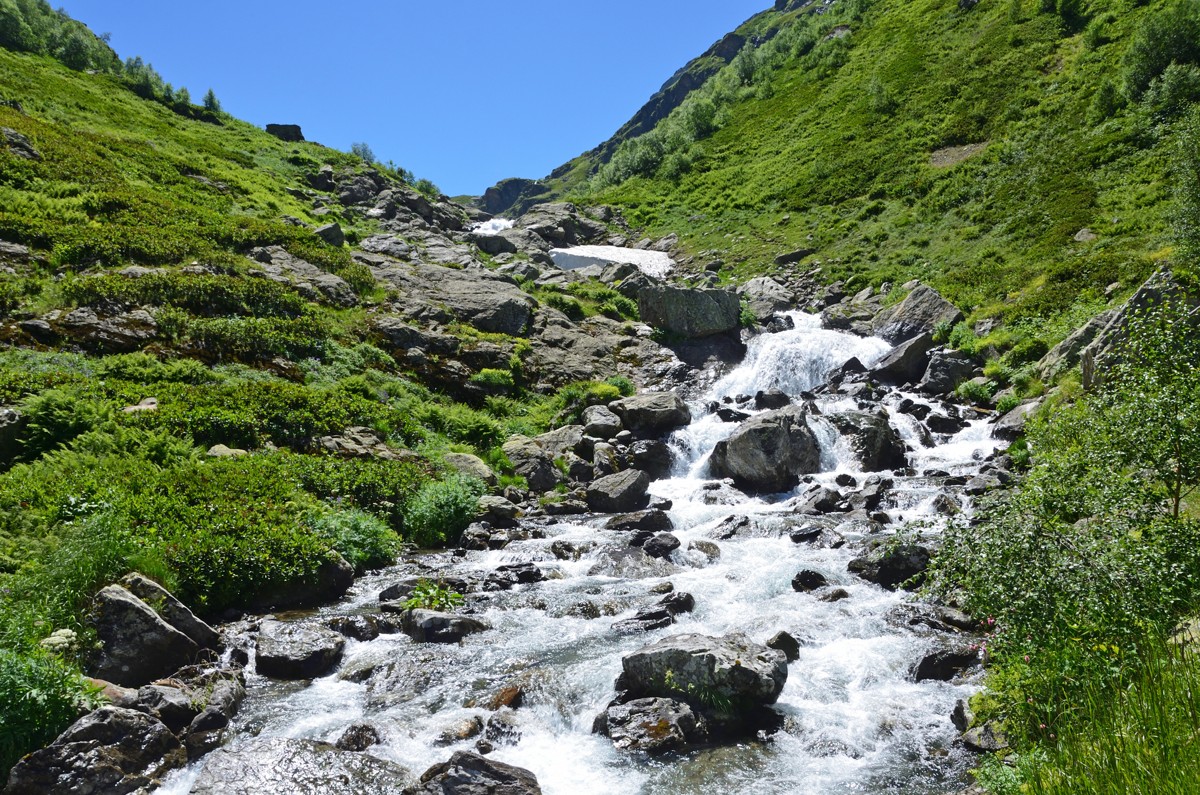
[(472, 466), (284, 766), (920, 312), (906, 363), (769, 452), (765, 296), (471, 774), (112, 751), (277, 265), (297, 651), (689, 312), (732, 668), (137, 644), (430, 626), (286, 132), (516, 194), (892, 567), (488, 301), (171, 610), (946, 370), (532, 462)]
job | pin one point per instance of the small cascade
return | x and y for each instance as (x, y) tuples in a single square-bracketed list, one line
[(853, 718)]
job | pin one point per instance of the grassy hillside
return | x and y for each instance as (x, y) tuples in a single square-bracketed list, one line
[(965, 146)]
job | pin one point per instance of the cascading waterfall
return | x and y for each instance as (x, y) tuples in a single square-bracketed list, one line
[(854, 720)]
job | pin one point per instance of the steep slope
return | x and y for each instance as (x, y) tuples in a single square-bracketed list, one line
[(1016, 158)]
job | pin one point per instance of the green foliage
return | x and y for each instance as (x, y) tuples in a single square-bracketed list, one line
[(1186, 220), (39, 697), (364, 152), (54, 418), (441, 510), (1091, 557), (496, 379), (746, 316), (430, 595), (975, 392), (211, 103), (365, 541), (204, 296), (1167, 37)]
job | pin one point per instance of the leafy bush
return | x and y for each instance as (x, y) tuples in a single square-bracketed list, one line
[(54, 418), (430, 595), (201, 295), (365, 541), (978, 393), (441, 510), (1163, 38), (39, 697), (490, 377), (377, 486)]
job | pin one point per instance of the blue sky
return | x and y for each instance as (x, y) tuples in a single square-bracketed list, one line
[(464, 93)]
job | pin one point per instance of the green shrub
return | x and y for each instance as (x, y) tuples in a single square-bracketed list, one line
[(39, 697), (975, 392), (200, 295), (461, 424), (1169, 36), (377, 486), (1007, 404), (365, 541), (498, 379), (567, 305), (56, 417), (430, 595), (441, 510)]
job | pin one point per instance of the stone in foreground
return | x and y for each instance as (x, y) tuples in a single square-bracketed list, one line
[(289, 767), (471, 774), (732, 667), (653, 725), (297, 651)]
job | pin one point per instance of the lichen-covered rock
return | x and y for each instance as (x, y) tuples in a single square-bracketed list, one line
[(430, 626), (920, 312), (652, 413), (652, 725), (891, 567), (171, 610), (732, 667), (689, 312), (619, 493)]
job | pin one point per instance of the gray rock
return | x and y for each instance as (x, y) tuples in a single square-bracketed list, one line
[(429, 626), (171, 610), (944, 664), (486, 300), (872, 438), (652, 520), (286, 132), (765, 297), (906, 363), (471, 466), (532, 462), (919, 313), (652, 413), (1011, 425), (512, 575), (561, 441), (731, 667), (808, 580), (296, 767), (690, 313), (358, 737), (946, 370), (332, 234), (652, 725), (137, 645), (1069, 353), (279, 266), (120, 333), (111, 751), (768, 453), (18, 144), (661, 545), (297, 651), (471, 774), (891, 567), (652, 456), (619, 493), (601, 422), (771, 399), (786, 643)]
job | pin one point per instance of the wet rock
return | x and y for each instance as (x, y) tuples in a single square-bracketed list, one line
[(821, 500), (511, 696), (652, 725), (892, 567), (111, 751), (732, 667), (652, 457), (920, 312), (771, 399), (835, 595), (362, 628), (946, 505), (678, 603), (497, 510), (631, 563), (173, 706), (732, 527), (461, 731), (982, 484), (706, 548), (652, 414), (471, 774), (944, 664), (619, 493), (766, 297), (945, 424), (284, 766), (906, 363), (430, 626), (651, 520), (137, 645), (501, 728), (297, 651), (646, 620), (661, 545), (358, 737), (726, 414), (512, 575), (769, 452), (688, 312), (808, 580), (786, 643), (817, 536), (404, 588), (872, 438)]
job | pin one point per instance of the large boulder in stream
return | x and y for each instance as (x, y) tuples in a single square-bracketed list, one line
[(906, 363), (294, 767), (652, 725), (619, 493), (920, 312), (171, 610), (768, 453), (111, 751), (872, 438), (652, 413), (689, 312), (731, 668), (531, 461), (430, 626), (472, 774), (297, 651), (892, 566)]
